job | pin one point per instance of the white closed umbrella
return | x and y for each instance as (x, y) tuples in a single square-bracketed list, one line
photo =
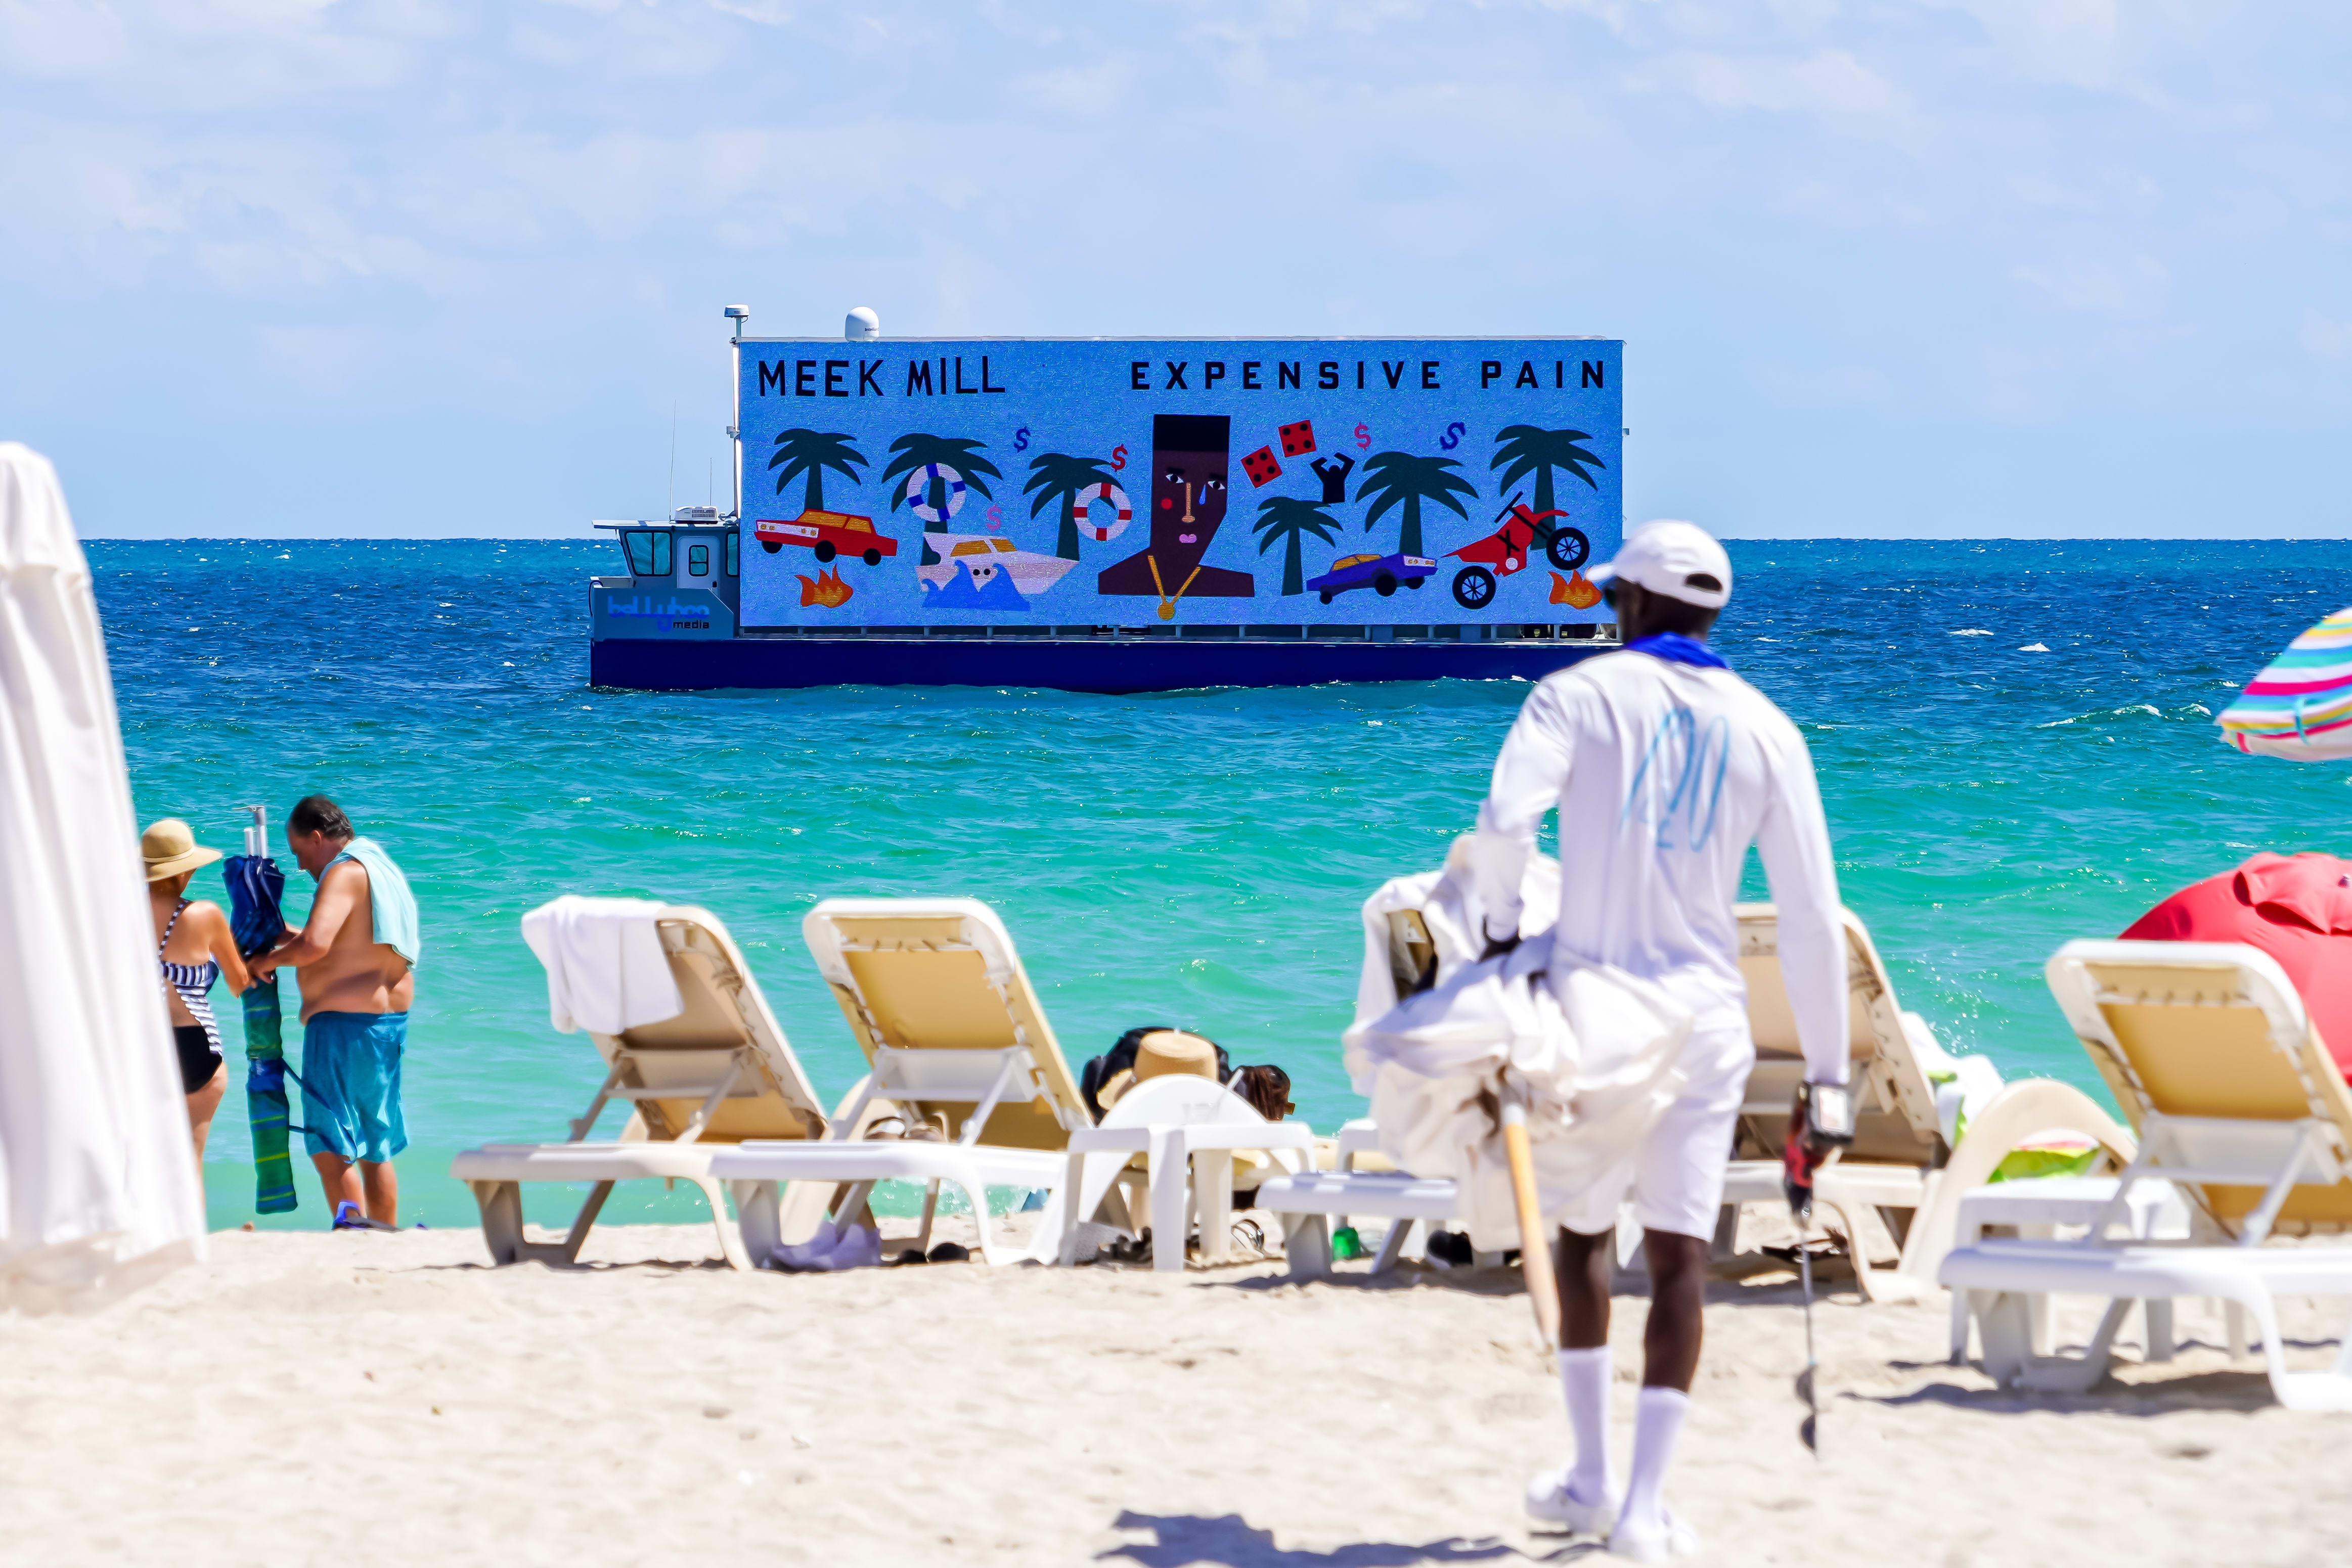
[(97, 1177)]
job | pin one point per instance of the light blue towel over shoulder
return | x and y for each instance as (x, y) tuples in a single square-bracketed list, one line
[(394, 906)]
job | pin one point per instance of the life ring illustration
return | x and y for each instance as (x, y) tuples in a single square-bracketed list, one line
[(918, 488), (1084, 504)]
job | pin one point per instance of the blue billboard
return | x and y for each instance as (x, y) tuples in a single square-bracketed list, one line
[(1100, 482)]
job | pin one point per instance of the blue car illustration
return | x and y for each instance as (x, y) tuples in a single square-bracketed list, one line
[(1380, 573)]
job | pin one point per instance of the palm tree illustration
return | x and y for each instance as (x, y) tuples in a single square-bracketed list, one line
[(1057, 476), (1399, 479), (1528, 450), (809, 453), (1289, 518), (916, 452)]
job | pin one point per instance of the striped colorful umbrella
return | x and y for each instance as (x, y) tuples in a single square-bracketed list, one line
[(2302, 706)]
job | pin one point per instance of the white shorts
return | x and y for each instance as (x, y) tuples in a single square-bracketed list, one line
[(1676, 1176)]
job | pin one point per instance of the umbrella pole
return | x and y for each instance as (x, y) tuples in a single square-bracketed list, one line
[(1535, 1243)]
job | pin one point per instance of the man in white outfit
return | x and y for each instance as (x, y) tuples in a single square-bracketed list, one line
[(1665, 767)]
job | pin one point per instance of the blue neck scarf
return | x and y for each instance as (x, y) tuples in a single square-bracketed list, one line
[(1678, 648)]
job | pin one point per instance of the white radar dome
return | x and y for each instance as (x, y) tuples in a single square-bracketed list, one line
[(862, 324)]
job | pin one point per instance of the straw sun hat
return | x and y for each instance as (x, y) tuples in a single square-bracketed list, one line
[(1162, 1053), (169, 847)]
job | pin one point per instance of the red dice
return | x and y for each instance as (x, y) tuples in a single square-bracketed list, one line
[(1261, 467), (1299, 440)]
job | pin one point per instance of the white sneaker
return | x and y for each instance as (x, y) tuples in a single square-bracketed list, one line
[(1674, 1540), (1550, 1500)]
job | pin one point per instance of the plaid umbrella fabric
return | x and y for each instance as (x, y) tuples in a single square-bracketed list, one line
[(2301, 706)]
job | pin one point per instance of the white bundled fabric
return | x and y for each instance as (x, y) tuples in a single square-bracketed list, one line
[(605, 969), (98, 1190), (1591, 1050)]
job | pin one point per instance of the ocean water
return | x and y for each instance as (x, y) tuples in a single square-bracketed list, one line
[(1192, 857)]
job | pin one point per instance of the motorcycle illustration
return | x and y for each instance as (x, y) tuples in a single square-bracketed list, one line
[(1507, 550)]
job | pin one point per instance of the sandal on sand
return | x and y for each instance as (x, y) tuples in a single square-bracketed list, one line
[(1676, 1540), (1550, 1500)]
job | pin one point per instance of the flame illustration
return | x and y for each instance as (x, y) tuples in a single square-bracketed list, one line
[(1572, 590), (825, 590)]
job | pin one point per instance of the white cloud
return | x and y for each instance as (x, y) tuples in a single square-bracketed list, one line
[(2324, 337), (1832, 82), (2072, 41), (2126, 287)]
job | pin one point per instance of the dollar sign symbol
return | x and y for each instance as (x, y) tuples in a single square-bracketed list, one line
[(996, 517), (1020, 439), (1452, 436), (1119, 457), (1363, 436)]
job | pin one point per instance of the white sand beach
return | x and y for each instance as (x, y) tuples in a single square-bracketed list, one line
[(365, 1399)]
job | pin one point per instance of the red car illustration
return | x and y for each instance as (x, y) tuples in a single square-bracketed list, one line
[(827, 533), (1508, 550)]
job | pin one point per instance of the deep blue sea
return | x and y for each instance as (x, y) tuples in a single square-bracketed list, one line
[(1193, 857)]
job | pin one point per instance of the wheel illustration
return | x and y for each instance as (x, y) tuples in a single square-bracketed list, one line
[(872, 558), (824, 550), (1414, 581), (771, 546), (1473, 587), (1384, 585), (1568, 549), (1327, 596)]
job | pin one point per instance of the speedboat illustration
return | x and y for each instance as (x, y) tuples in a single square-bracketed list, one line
[(986, 555)]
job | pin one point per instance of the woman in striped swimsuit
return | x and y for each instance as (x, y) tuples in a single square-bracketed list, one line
[(194, 947)]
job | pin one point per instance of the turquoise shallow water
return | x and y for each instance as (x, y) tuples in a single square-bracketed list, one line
[(1192, 857)]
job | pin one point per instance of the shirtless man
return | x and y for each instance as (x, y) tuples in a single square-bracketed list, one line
[(355, 959)]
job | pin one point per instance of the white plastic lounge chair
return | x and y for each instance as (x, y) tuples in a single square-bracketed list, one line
[(1187, 1129), (717, 1072), (2210, 1054), (936, 997)]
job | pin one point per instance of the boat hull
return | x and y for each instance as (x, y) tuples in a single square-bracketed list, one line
[(1109, 665)]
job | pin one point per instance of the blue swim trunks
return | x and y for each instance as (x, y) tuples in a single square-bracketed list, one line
[(351, 1085)]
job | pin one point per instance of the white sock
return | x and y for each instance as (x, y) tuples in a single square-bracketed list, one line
[(1584, 1379), (1657, 1425)]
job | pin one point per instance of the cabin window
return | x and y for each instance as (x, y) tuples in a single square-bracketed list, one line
[(734, 553), (697, 561), (648, 551)]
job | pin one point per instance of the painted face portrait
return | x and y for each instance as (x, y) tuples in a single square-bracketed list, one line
[(1188, 502), (1190, 465)]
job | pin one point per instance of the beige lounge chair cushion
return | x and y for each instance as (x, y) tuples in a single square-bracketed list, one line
[(723, 1011), (2205, 1051), (1895, 1104), (925, 989)]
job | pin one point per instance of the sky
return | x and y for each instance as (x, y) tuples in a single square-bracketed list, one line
[(1899, 268)]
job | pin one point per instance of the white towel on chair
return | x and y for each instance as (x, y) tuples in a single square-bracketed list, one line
[(606, 971)]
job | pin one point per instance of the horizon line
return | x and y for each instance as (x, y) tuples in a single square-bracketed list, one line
[(1728, 539)]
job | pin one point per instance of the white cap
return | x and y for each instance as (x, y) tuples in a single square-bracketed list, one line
[(1663, 557)]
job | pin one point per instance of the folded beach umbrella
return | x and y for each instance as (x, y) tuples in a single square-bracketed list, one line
[(99, 1188), (2301, 706), (255, 887)]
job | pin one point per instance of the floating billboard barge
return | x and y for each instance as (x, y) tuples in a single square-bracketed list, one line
[(963, 512)]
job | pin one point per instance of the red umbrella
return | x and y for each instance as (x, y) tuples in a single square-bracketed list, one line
[(2297, 909)]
